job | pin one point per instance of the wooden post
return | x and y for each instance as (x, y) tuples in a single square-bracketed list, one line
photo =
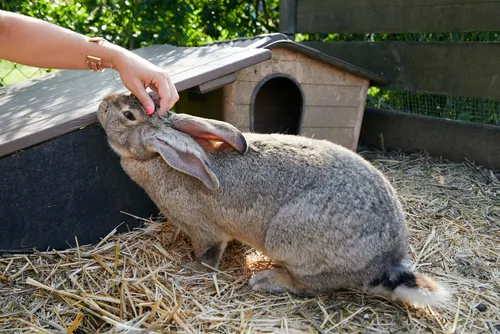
[(288, 16)]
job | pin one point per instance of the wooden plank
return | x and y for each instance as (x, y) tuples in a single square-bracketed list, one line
[(452, 140), (288, 16), (314, 94), (243, 91), (251, 42), (462, 69), (63, 102), (41, 96), (16, 118), (396, 16), (46, 129), (217, 83), (333, 95), (302, 69), (303, 51), (340, 136), (239, 115), (330, 116)]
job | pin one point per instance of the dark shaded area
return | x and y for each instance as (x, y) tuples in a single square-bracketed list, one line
[(277, 106), (71, 186)]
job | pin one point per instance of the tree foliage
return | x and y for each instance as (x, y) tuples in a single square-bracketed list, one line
[(138, 23)]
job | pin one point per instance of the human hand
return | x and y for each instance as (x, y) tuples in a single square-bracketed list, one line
[(137, 74)]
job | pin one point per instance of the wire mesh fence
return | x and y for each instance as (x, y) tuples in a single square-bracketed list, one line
[(138, 23), (11, 73), (466, 109)]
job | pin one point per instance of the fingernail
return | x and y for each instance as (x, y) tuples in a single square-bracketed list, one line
[(149, 110)]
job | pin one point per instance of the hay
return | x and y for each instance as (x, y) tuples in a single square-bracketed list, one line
[(135, 282)]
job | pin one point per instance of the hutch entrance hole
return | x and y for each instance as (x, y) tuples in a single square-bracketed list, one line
[(276, 106)]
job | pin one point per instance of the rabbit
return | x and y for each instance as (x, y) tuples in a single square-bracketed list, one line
[(328, 218)]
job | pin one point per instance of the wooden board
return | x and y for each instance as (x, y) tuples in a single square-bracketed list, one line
[(303, 69), (217, 83), (279, 42), (46, 107), (392, 16), (462, 69), (288, 17), (331, 95), (330, 116), (451, 140), (302, 51)]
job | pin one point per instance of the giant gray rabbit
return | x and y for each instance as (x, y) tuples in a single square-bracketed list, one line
[(322, 213)]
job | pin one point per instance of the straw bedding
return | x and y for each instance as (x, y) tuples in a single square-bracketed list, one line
[(135, 282)]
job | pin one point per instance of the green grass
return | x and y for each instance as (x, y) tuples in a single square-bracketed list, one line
[(11, 73)]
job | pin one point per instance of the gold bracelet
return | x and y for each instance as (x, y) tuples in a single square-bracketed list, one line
[(93, 62)]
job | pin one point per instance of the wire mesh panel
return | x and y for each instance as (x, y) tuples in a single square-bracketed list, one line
[(11, 72), (474, 110)]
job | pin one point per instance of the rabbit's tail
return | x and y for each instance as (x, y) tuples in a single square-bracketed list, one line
[(402, 284)]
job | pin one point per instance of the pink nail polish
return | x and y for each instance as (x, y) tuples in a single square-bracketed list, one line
[(149, 110)]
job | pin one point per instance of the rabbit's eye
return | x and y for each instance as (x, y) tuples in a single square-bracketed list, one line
[(129, 115)]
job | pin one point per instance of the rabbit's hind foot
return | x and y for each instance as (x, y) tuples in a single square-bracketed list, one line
[(278, 281)]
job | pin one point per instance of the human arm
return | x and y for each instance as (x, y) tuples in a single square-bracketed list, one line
[(33, 42)]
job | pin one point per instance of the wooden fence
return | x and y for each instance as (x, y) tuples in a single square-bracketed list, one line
[(469, 69)]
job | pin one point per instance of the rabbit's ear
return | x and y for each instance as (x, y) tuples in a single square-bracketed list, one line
[(185, 159), (156, 99), (210, 129)]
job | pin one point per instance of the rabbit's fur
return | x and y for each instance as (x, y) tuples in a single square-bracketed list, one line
[(324, 214)]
